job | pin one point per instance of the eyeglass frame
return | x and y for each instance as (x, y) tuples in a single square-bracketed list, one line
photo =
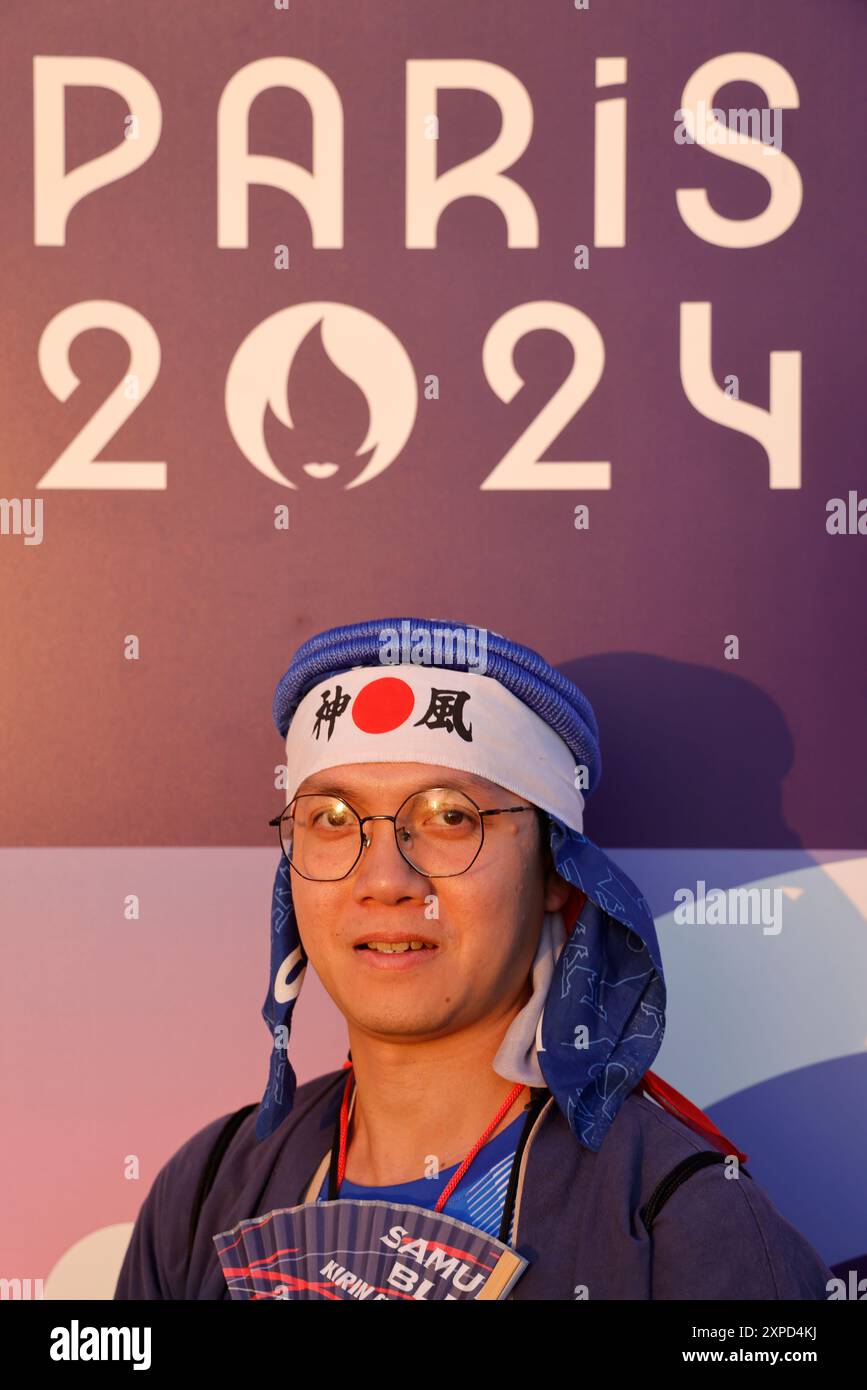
[(365, 840)]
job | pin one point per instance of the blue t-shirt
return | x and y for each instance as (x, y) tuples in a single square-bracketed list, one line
[(479, 1196)]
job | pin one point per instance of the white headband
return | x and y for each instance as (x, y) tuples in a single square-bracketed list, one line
[(409, 713)]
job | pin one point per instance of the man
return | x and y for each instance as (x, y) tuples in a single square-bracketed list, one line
[(503, 992)]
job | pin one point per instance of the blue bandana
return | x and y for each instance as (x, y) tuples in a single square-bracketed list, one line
[(604, 1014)]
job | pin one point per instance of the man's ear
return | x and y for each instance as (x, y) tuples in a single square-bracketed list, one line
[(557, 890)]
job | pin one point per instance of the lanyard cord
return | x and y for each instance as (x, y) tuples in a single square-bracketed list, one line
[(339, 1148)]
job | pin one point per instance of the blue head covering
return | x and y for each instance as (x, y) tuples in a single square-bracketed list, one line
[(604, 1013)]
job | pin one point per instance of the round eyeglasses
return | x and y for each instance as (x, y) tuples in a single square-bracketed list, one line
[(439, 832)]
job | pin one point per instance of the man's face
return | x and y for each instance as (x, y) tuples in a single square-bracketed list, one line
[(488, 923)]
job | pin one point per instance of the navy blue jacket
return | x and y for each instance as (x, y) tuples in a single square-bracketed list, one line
[(577, 1213)]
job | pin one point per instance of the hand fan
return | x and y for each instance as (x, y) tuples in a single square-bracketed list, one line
[(350, 1249)]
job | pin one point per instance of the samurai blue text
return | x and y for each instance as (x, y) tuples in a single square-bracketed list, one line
[(430, 1259)]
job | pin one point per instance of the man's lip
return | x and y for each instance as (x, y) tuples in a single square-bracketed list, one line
[(394, 937)]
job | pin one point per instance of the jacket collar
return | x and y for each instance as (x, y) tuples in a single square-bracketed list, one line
[(522, 1167), (318, 1178)]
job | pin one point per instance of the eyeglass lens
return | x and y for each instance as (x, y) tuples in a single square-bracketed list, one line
[(439, 832)]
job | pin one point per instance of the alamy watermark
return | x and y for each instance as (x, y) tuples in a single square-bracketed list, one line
[(22, 516), (21, 1288), (853, 1287), (77, 1343), (708, 126), (748, 907), (438, 646)]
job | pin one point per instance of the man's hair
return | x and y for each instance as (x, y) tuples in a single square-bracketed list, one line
[(544, 837)]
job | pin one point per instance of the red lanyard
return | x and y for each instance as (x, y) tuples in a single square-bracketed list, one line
[(459, 1172)]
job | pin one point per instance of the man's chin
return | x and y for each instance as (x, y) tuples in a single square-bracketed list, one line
[(409, 1026)]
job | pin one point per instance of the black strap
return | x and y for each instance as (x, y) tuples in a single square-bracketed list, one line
[(538, 1098), (209, 1172), (672, 1181)]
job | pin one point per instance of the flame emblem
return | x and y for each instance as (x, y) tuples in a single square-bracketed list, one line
[(356, 344)]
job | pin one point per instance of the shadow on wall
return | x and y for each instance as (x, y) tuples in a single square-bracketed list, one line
[(691, 757), (695, 759)]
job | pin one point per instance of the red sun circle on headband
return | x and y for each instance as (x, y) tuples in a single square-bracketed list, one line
[(383, 705)]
